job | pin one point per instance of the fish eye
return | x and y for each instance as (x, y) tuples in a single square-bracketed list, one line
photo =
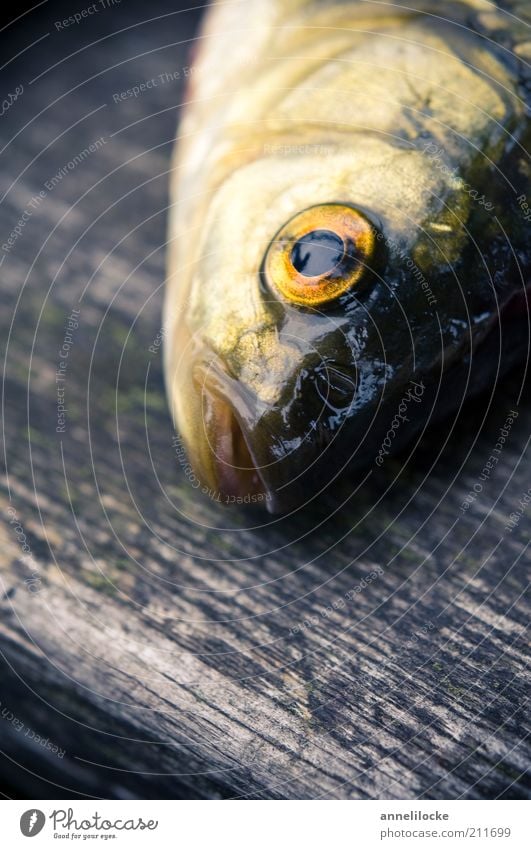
[(320, 254)]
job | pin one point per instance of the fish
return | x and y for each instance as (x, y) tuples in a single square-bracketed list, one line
[(348, 237)]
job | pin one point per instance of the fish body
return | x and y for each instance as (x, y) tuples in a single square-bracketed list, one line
[(348, 229)]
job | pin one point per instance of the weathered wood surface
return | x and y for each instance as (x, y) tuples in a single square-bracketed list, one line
[(155, 637)]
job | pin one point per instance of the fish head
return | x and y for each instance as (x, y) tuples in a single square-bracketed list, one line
[(321, 298)]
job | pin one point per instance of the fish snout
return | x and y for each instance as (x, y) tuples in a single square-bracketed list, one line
[(246, 450), (229, 466)]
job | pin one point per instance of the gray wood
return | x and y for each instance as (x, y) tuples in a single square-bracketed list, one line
[(157, 638)]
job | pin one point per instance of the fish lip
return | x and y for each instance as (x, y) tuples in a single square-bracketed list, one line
[(234, 472)]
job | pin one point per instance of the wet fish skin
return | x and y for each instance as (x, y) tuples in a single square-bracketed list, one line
[(420, 123)]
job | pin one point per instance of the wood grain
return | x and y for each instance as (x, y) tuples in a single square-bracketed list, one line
[(372, 647)]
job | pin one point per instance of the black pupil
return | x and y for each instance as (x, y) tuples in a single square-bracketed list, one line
[(317, 252)]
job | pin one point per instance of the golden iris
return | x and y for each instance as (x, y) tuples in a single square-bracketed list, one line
[(320, 254)]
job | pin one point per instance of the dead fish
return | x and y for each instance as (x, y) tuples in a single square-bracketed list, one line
[(349, 236)]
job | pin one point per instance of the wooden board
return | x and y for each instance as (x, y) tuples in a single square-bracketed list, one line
[(165, 646)]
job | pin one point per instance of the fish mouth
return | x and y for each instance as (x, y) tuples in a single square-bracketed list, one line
[(230, 468)]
